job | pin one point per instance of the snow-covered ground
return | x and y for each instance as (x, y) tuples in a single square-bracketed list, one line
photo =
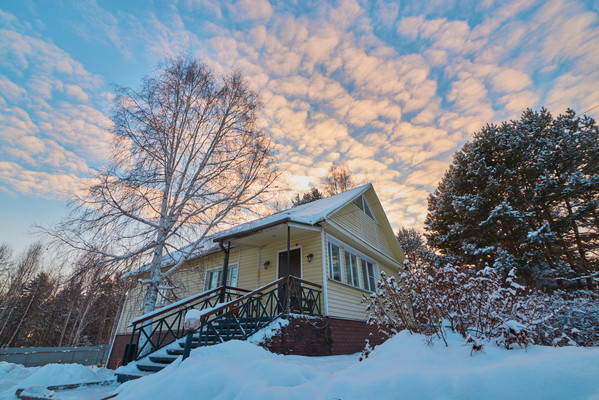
[(36, 380), (403, 367)]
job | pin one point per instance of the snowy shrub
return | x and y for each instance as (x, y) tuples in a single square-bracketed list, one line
[(477, 304), (575, 324)]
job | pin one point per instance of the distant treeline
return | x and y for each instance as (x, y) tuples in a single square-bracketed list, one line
[(41, 307)]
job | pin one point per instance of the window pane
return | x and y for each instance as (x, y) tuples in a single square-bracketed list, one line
[(351, 269), (371, 277), (232, 281), (358, 203), (354, 269), (208, 280), (367, 210), (348, 269), (365, 276), (334, 262)]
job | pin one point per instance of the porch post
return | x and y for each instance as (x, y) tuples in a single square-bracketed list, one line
[(225, 270), (287, 291), (288, 248)]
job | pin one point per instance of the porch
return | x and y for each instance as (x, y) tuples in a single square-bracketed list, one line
[(227, 313)]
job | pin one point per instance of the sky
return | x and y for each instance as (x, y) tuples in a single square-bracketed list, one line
[(390, 89)]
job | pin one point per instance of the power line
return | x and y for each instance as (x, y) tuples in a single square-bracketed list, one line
[(590, 109)]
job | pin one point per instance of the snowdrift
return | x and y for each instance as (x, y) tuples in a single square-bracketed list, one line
[(403, 367)]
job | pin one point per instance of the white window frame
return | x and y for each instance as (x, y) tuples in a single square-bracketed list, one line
[(352, 270), (363, 282), (367, 285), (364, 206), (331, 274), (219, 278)]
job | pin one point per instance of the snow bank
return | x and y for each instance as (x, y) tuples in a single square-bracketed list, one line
[(263, 335), (14, 376), (404, 367)]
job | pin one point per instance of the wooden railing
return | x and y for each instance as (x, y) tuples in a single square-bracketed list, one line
[(233, 310), (251, 312), (157, 329)]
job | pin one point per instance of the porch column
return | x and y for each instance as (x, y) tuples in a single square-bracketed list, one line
[(288, 249), (225, 270)]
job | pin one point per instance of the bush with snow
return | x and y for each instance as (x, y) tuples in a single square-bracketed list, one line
[(477, 304)]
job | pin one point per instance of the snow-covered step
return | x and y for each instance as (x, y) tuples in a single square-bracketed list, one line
[(149, 366), (162, 359), (228, 330)]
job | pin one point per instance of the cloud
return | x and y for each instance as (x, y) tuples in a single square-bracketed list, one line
[(52, 131), (255, 10), (16, 179), (391, 89)]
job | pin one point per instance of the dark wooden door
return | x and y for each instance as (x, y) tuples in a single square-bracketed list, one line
[(289, 296), (295, 262)]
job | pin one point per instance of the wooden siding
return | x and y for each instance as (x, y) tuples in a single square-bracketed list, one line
[(189, 280), (362, 226), (345, 301)]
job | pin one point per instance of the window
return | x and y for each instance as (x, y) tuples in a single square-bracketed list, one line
[(334, 262), (351, 269), (354, 268), (161, 299), (362, 204), (214, 277), (368, 275)]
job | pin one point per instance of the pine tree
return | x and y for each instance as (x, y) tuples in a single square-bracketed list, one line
[(523, 194), (308, 197)]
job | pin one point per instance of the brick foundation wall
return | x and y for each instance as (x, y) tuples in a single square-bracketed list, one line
[(114, 361), (118, 350), (323, 337), (348, 337), (303, 336)]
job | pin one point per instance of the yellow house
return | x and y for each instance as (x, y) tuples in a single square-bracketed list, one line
[(337, 246)]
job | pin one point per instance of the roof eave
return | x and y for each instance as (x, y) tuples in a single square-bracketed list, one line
[(251, 231)]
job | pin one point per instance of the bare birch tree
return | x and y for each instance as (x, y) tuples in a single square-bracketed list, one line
[(339, 180), (188, 153)]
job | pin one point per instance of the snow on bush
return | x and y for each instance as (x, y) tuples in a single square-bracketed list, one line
[(477, 304), (576, 323)]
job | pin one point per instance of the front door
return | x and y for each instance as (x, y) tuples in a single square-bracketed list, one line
[(295, 262), (288, 296)]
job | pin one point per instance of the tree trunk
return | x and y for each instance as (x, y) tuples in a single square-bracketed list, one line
[(579, 245), (64, 328), (14, 334)]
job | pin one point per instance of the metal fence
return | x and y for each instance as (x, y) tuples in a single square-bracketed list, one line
[(38, 356)]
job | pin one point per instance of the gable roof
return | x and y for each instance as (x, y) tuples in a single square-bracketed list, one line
[(306, 214)]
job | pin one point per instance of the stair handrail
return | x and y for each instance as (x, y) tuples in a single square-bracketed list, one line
[(290, 294), (155, 321), (190, 299), (227, 305)]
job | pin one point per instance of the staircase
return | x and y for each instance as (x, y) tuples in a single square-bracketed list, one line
[(228, 313)]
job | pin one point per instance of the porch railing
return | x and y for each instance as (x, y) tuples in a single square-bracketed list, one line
[(155, 330), (234, 310), (242, 317)]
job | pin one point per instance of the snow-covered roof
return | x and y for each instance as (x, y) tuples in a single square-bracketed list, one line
[(309, 214)]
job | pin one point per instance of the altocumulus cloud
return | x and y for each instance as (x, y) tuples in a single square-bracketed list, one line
[(390, 89)]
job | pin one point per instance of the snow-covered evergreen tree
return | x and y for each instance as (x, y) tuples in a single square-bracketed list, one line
[(525, 195)]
